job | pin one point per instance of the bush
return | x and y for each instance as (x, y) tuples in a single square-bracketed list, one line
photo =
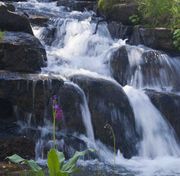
[(160, 12), (1, 35)]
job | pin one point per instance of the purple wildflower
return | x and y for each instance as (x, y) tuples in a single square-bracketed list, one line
[(58, 112)]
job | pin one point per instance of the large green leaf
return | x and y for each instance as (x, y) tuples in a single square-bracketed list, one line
[(61, 158), (70, 166), (53, 162), (15, 159), (33, 165)]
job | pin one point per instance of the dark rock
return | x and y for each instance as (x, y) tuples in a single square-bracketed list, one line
[(109, 105), (17, 145), (156, 38), (31, 97), (21, 52), (118, 30), (120, 67), (79, 5), (122, 12), (168, 104), (39, 20), (149, 68), (11, 21)]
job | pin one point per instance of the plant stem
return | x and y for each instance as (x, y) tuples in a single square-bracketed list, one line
[(54, 128)]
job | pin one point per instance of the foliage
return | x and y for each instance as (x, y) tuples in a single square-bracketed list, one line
[(176, 38), (1, 35), (35, 169), (56, 163), (106, 5), (135, 19), (57, 166), (160, 12)]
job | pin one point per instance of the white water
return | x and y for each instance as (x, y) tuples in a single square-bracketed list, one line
[(158, 138), (76, 49), (86, 115)]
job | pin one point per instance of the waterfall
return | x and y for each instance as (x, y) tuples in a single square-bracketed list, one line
[(86, 115), (74, 48), (158, 138)]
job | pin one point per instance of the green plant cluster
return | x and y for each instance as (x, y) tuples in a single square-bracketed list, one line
[(162, 13), (57, 166), (1, 35)]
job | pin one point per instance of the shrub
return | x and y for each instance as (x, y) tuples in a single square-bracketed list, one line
[(160, 12), (1, 35)]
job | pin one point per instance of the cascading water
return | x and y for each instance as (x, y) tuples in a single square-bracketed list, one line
[(74, 48), (157, 136)]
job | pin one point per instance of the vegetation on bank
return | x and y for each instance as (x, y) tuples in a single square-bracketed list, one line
[(1, 35), (151, 13), (56, 163)]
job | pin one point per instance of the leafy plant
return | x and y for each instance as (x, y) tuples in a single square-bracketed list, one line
[(1, 35), (57, 166), (160, 12), (135, 19), (176, 39)]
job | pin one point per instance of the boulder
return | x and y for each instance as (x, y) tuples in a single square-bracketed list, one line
[(168, 104), (145, 67), (122, 12), (29, 96), (156, 38), (109, 105), (21, 52), (11, 21), (38, 20), (119, 31), (120, 67)]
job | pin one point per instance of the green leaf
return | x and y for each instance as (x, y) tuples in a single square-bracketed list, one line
[(53, 162), (33, 165), (70, 166), (61, 158), (16, 159)]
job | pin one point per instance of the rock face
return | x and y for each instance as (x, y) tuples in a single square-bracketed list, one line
[(38, 20), (79, 5), (118, 30), (156, 38), (168, 104), (10, 21), (21, 52), (109, 105), (29, 95), (22, 146), (120, 67), (139, 67), (122, 13)]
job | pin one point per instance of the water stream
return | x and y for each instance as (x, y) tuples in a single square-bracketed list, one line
[(75, 49)]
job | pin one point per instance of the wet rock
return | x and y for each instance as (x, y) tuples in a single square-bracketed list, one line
[(11, 21), (156, 38), (168, 104), (39, 20), (21, 52), (79, 5), (122, 12), (139, 67), (109, 105), (22, 146), (119, 31), (120, 67), (29, 96)]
